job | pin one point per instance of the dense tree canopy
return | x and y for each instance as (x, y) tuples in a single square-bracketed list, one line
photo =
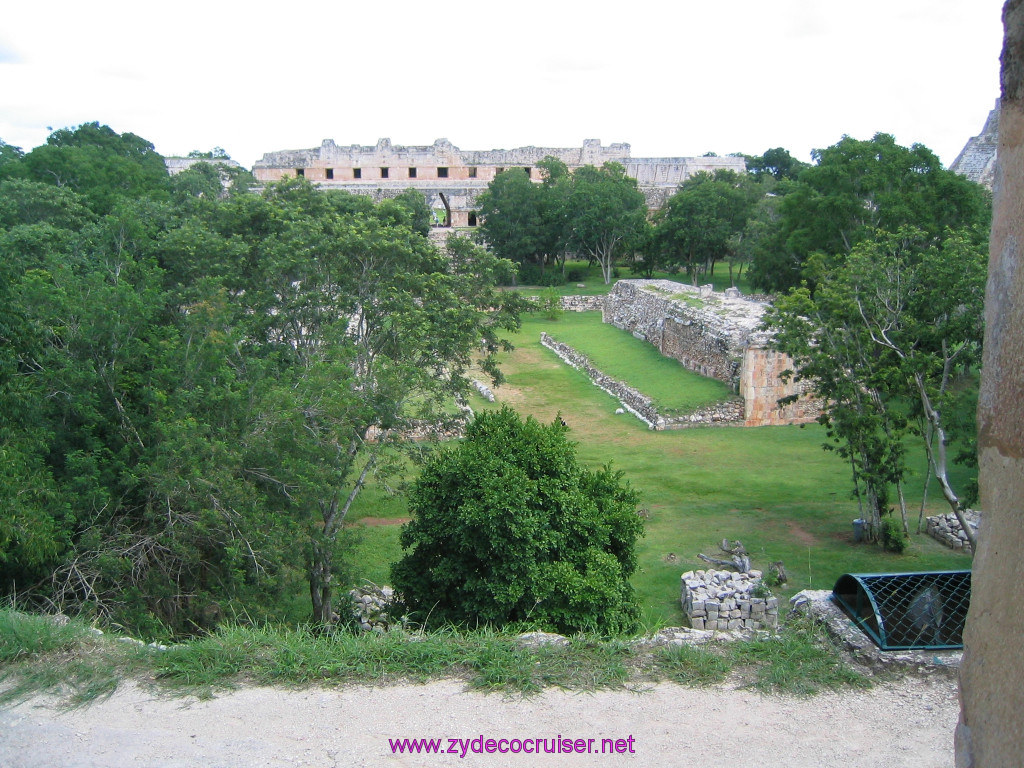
[(192, 381), (701, 223), (98, 163), (857, 187)]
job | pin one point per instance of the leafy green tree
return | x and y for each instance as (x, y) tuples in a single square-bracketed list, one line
[(857, 187), (419, 215), (700, 222), (896, 322), (605, 214), (925, 314), (191, 384), (508, 528), (775, 162), (367, 332), (513, 223), (98, 163), (9, 154)]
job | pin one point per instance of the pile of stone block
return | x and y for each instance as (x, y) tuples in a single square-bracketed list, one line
[(727, 600)]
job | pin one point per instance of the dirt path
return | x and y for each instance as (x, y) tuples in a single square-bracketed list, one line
[(909, 723)]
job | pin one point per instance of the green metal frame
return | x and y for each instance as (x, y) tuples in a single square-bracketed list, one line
[(865, 598)]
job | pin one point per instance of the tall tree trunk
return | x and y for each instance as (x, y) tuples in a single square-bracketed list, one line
[(928, 437)]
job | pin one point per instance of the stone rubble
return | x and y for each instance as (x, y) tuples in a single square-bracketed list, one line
[(946, 529), (484, 390), (372, 608), (727, 600)]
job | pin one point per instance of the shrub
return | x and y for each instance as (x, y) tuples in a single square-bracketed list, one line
[(575, 275), (893, 537), (508, 528), (551, 304)]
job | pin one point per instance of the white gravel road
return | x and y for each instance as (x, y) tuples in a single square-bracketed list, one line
[(909, 723)]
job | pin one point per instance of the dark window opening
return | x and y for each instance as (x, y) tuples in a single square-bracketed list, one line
[(527, 172), (329, 172), (442, 173), (472, 172), (412, 173), (499, 170), (384, 173), (300, 171), (472, 218), (357, 173)]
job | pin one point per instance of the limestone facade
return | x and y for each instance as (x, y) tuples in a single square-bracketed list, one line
[(452, 178), (715, 335)]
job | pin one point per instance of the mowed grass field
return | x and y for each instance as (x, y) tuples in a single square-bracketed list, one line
[(773, 488), (673, 388)]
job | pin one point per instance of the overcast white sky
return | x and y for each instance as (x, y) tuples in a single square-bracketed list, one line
[(670, 77)]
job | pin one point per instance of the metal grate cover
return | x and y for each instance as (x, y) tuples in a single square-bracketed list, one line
[(902, 611)]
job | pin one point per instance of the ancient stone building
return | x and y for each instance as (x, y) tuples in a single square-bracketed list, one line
[(451, 178), (716, 335), (176, 165), (977, 160)]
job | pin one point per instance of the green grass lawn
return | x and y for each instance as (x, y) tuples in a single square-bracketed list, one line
[(620, 355), (773, 488)]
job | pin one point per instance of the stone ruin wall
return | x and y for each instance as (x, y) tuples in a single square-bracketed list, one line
[(714, 335), (945, 528)]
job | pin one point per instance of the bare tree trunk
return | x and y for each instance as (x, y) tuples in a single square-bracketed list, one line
[(928, 437), (903, 507), (938, 461)]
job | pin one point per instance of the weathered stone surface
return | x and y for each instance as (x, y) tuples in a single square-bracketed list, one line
[(372, 608), (946, 529), (716, 336), (977, 160), (992, 697)]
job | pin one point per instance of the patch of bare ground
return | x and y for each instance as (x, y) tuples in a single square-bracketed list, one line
[(800, 534)]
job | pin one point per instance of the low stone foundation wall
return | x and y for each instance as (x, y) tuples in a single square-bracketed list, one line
[(724, 600), (639, 404), (577, 303), (946, 529), (583, 303)]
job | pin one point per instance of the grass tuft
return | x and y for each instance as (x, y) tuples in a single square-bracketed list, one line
[(800, 660), (691, 666)]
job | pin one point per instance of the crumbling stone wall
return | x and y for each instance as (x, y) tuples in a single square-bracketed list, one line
[(946, 529), (716, 335)]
